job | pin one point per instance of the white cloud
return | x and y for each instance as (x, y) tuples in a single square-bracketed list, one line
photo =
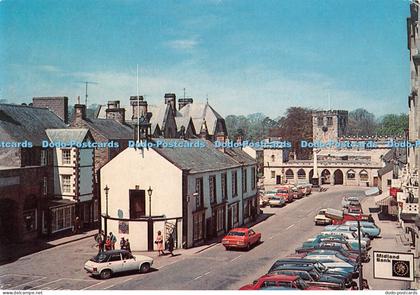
[(183, 44)]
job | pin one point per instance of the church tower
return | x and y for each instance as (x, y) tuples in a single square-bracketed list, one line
[(329, 125)]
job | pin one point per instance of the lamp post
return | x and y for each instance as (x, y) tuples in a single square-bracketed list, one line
[(106, 189), (149, 192), (360, 257)]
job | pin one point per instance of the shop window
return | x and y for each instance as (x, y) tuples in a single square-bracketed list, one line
[(224, 186), (199, 190), (273, 174)]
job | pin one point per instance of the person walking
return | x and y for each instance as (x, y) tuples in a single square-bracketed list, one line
[(100, 241), (171, 244), (127, 245), (113, 240), (159, 243), (76, 225), (122, 244)]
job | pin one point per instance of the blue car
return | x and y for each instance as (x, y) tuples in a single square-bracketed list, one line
[(367, 227)]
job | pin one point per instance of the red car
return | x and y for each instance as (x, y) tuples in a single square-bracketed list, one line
[(241, 238), (279, 281)]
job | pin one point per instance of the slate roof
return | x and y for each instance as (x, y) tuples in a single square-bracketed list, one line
[(159, 114), (384, 170), (67, 135), (200, 159), (20, 123), (111, 129), (199, 112)]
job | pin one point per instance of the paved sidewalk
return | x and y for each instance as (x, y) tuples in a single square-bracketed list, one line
[(392, 239), (12, 252)]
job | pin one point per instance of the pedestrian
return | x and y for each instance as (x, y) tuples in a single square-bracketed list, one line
[(122, 244), (76, 228), (171, 244), (127, 245), (100, 241), (159, 243), (113, 240), (108, 244)]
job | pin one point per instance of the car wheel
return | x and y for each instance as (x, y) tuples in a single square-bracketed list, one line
[(248, 247), (105, 274), (227, 248), (145, 267)]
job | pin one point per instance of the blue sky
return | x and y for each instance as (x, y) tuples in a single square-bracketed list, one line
[(246, 56)]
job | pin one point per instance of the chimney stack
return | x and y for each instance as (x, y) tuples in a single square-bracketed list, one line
[(141, 108), (182, 102), (57, 104), (170, 98), (79, 111), (115, 112)]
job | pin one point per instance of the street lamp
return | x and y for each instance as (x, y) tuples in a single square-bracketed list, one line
[(106, 189), (149, 192)]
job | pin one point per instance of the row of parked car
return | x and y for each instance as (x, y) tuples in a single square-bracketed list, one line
[(330, 260), (281, 195)]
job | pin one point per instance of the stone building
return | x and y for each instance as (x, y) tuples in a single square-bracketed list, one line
[(336, 163), (26, 178)]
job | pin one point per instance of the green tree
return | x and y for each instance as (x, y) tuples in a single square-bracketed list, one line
[(361, 123), (392, 124)]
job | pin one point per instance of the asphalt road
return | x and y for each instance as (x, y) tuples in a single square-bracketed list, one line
[(213, 269)]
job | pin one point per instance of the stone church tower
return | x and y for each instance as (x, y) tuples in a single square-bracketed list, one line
[(329, 125)]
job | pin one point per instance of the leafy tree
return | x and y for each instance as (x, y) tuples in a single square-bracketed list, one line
[(392, 124), (361, 123), (296, 126)]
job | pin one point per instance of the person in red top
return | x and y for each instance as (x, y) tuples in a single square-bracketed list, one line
[(108, 244)]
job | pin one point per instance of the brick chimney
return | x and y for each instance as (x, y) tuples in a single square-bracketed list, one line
[(79, 111), (182, 102), (170, 98), (115, 112), (141, 107), (57, 104), (221, 137)]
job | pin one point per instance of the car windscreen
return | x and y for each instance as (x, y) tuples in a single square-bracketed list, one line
[(236, 234), (101, 257)]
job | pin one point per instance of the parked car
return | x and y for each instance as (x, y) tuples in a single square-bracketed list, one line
[(347, 199), (277, 202), (321, 219), (351, 237), (320, 267), (269, 194), (107, 263), (342, 249), (297, 192), (279, 281), (344, 256), (310, 275), (354, 245), (342, 227), (306, 186), (367, 227), (331, 261), (241, 238), (354, 209), (285, 192)]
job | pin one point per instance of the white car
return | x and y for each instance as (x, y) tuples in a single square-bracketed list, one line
[(107, 263), (277, 202), (349, 236), (347, 199), (333, 262), (321, 219)]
